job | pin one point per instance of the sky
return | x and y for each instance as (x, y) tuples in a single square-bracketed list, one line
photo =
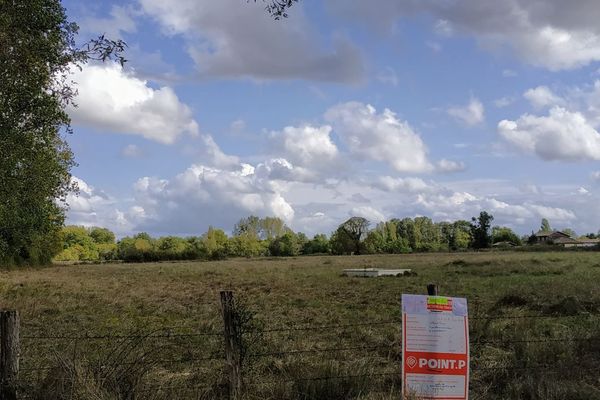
[(381, 109)]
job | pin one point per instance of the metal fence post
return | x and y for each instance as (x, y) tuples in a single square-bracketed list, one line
[(432, 289), (9, 354)]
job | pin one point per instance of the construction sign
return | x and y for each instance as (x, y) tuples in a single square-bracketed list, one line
[(435, 347)]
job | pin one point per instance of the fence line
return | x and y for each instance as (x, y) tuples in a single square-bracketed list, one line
[(234, 334)]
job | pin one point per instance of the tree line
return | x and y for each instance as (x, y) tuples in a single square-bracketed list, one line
[(270, 236)]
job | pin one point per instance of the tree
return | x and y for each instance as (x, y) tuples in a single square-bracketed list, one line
[(341, 243), (77, 245), (215, 242), (480, 230), (375, 242), (429, 234), (278, 8), (247, 226), (355, 229), (286, 245), (545, 226), (505, 234), (246, 245), (319, 244), (408, 231), (570, 232), (102, 235), (171, 248), (37, 51), (459, 235), (272, 227)]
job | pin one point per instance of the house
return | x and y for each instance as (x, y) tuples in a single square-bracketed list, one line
[(550, 237), (562, 239), (584, 242), (565, 241)]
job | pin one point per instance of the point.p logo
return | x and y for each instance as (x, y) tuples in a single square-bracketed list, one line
[(411, 362)]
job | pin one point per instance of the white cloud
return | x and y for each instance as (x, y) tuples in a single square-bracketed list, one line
[(509, 73), (595, 176), (409, 185), (307, 145), (583, 191), (587, 101), (370, 213), (282, 169), (553, 213), (120, 21), (504, 102), (213, 154), (562, 135), (471, 114), (388, 76), (228, 39), (93, 207), (443, 27), (131, 151), (202, 196), (542, 96), (110, 98), (447, 166), (554, 34), (380, 137), (454, 205)]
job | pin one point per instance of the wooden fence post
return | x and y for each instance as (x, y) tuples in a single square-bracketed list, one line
[(432, 289), (9, 354), (232, 345)]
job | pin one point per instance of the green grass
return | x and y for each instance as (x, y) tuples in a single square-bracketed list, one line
[(142, 298)]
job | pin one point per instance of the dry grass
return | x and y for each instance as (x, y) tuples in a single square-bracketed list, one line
[(125, 298)]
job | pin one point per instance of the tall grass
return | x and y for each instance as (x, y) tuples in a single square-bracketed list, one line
[(513, 358)]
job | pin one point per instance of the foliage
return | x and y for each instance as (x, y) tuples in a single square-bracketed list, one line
[(570, 232), (267, 228), (102, 235), (461, 236), (384, 239), (341, 243), (319, 244), (215, 242), (504, 234), (257, 237), (246, 245), (286, 245), (480, 230), (37, 52), (354, 230), (86, 244), (545, 226), (278, 8)]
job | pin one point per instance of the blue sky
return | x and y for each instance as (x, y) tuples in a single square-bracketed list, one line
[(383, 109)]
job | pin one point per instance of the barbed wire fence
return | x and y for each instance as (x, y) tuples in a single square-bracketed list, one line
[(244, 359)]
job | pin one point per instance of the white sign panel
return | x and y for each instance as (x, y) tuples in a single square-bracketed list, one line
[(435, 347)]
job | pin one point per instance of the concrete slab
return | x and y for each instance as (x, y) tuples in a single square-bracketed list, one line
[(375, 272)]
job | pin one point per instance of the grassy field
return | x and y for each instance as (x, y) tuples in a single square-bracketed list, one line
[(555, 355)]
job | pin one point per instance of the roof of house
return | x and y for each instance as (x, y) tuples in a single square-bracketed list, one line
[(551, 234), (566, 240), (587, 240)]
